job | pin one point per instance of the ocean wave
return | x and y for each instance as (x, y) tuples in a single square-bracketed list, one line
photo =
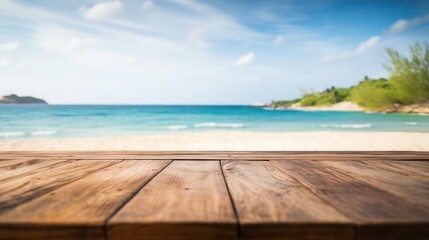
[(44, 133), (359, 125), (410, 123), (276, 109), (219, 125), (11, 134), (176, 127)]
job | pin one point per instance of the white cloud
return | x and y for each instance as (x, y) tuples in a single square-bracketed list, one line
[(9, 46), (278, 40), (5, 62), (63, 41), (208, 23), (245, 59), (164, 26), (147, 4), (362, 48), (195, 37), (399, 25), (102, 10), (77, 43), (81, 48), (403, 24), (368, 44)]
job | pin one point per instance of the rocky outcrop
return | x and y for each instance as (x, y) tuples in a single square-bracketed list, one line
[(412, 108), (15, 99)]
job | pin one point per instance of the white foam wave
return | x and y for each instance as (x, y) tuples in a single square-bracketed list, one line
[(360, 125), (176, 127), (410, 123), (219, 125), (44, 133), (274, 109), (11, 134)]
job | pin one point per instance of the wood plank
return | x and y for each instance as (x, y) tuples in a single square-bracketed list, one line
[(188, 200), (374, 198), (412, 190), (30, 167), (86, 203), (19, 191), (379, 214), (228, 155), (419, 169), (10, 162), (272, 205)]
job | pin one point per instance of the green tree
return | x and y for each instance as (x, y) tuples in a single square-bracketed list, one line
[(410, 75), (377, 94)]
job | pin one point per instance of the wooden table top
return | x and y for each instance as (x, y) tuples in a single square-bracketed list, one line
[(214, 195)]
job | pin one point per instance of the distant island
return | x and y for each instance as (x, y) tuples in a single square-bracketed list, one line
[(406, 90), (15, 99)]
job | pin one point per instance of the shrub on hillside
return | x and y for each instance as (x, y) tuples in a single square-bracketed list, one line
[(410, 75)]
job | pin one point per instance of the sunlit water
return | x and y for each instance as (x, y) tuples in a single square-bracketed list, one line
[(42, 121)]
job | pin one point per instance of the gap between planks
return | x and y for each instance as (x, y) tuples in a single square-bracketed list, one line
[(105, 228)]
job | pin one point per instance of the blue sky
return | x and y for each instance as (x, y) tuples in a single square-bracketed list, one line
[(197, 52)]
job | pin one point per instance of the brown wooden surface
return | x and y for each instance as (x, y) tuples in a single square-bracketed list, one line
[(89, 202), (409, 168), (271, 203), (214, 195), (17, 191), (216, 155), (368, 205), (188, 200), (391, 182)]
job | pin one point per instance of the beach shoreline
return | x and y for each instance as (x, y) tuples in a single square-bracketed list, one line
[(419, 108), (233, 140), (342, 107)]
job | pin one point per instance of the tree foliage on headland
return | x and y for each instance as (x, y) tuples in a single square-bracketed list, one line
[(408, 84)]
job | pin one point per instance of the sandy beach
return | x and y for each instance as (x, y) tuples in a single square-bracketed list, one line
[(234, 140), (342, 106)]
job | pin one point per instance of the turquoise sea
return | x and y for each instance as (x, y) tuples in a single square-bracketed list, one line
[(48, 121)]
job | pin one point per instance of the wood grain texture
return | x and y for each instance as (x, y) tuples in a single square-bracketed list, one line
[(277, 195), (376, 212), (87, 203), (26, 188), (272, 205), (188, 200), (414, 169), (30, 167), (409, 189), (11, 162)]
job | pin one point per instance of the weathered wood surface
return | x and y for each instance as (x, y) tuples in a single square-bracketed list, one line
[(87, 202), (214, 195), (14, 192), (188, 200), (271, 203), (370, 206)]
